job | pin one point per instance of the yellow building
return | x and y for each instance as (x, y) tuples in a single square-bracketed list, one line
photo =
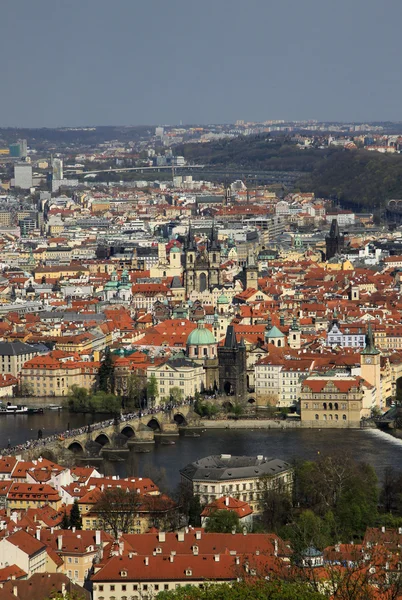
[(47, 376), (334, 402), (21, 496)]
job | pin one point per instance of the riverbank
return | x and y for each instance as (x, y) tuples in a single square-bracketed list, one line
[(253, 424)]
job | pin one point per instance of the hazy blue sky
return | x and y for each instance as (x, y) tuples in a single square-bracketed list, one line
[(77, 62)]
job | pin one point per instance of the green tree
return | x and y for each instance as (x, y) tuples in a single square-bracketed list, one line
[(65, 523), (237, 410), (77, 399), (176, 395), (152, 389), (75, 516), (135, 391), (194, 511), (106, 373), (222, 521)]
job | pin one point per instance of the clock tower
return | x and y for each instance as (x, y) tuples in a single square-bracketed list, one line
[(370, 365)]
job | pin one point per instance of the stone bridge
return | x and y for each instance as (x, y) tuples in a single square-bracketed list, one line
[(116, 436)]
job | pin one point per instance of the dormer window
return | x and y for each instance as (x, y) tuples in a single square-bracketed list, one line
[(159, 550), (123, 573), (189, 572)]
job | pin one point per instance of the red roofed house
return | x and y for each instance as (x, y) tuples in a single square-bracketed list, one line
[(26, 551), (242, 509)]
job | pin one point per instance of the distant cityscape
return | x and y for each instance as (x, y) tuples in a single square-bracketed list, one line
[(157, 283)]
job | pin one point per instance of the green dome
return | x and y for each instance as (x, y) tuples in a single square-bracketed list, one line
[(201, 336), (223, 299), (174, 249)]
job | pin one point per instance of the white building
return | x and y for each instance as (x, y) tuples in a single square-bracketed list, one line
[(23, 176)]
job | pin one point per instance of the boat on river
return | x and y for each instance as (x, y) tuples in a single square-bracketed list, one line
[(13, 409)]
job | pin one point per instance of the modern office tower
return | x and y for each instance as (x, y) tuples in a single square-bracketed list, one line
[(159, 131), (19, 149), (57, 166), (23, 176)]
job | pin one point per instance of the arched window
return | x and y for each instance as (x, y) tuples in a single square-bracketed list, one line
[(330, 417), (190, 258), (316, 417), (205, 351), (344, 417), (214, 257), (325, 417), (330, 406), (336, 417), (324, 406), (336, 406), (279, 343)]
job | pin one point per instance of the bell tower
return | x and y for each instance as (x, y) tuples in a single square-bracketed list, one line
[(370, 365)]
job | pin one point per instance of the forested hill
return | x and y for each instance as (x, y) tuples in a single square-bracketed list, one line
[(364, 180)]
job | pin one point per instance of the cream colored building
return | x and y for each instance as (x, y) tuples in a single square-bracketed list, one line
[(241, 477), (181, 373), (165, 267)]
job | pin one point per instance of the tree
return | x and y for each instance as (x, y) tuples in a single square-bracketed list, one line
[(77, 399), (194, 511), (176, 395), (117, 509), (237, 410), (65, 523), (152, 389), (106, 373), (259, 589), (135, 391), (275, 506), (75, 516), (222, 521)]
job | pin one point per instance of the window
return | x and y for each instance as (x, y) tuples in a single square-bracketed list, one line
[(344, 417), (123, 588), (145, 587), (112, 588), (101, 588), (76, 561), (316, 417), (166, 586), (135, 587), (76, 574), (324, 406)]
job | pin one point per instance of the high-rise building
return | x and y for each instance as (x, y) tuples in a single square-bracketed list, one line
[(23, 175), (23, 148), (57, 166), (159, 131)]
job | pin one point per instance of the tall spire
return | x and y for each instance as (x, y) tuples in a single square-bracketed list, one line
[(370, 346), (230, 339)]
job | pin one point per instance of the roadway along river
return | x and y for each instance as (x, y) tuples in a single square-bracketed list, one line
[(375, 447)]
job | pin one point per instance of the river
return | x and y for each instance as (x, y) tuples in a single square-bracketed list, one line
[(370, 445)]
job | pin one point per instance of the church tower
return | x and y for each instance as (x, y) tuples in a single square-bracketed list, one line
[(294, 335), (370, 364), (232, 366), (214, 255), (251, 271)]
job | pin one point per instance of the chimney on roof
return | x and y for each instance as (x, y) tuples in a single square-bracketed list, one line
[(63, 589), (198, 535), (15, 590), (244, 530), (162, 536), (97, 537), (146, 561), (38, 533), (73, 529), (180, 536), (237, 560), (59, 542), (382, 529), (52, 530), (217, 558), (276, 547), (227, 501), (233, 530)]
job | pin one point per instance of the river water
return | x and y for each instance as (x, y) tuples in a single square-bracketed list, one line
[(370, 445)]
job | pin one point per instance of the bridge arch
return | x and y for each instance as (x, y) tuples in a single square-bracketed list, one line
[(154, 424), (49, 455), (76, 447), (179, 419), (102, 439), (128, 431)]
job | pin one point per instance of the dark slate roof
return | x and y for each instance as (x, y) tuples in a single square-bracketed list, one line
[(227, 467), (230, 339), (15, 349)]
